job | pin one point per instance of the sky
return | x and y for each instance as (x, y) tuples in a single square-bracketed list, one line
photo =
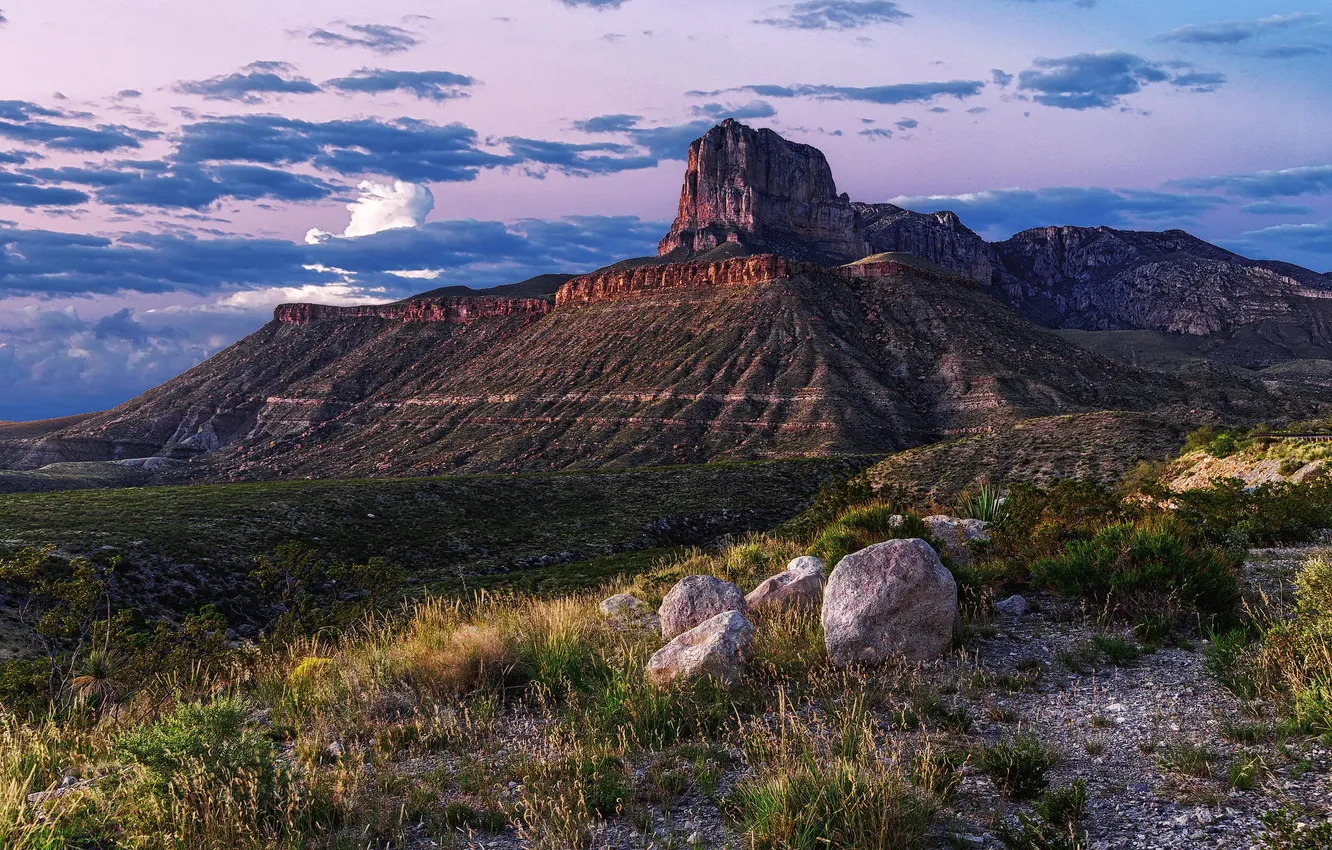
[(170, 170)]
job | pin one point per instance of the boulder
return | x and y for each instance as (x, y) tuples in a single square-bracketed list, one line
[(891, 599), (1013, 606), (695, 599), (954, 534), (717, 647), (625, 610), (800, 587)]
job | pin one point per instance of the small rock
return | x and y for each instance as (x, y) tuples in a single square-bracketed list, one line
[(954, 534), (696, 599), (334, 750), (624, 606), (718, 648), (799, 587), (1013, 606)]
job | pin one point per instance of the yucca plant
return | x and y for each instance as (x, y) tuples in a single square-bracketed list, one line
[(986, 504)]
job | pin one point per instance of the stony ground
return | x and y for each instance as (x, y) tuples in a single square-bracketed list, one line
[(1154, 739)]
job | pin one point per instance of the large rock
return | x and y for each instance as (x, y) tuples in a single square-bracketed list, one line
[(800, 587), (892, 599), (768, 195), (627, 610), (695, 599), (717, 647), (954, 534)]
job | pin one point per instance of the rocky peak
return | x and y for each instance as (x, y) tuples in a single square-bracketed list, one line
[(767, 194)]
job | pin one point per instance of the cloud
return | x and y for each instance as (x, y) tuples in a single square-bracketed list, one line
[(886, 95), (837, 15), (1001, 212), (406, 149), (3, 19), (426, 85), (1000, 78), (1307, 244), (907, 124), (1275, 208), (1237, 32), (25, 122), (876, 133), (1103, 80), (617, 123), (187, 185), (252, 84), (18, 157), (20, 190), (594, 4), (745, 112), (49, 264), (579, 160), (383, 207), (381, 38), (1288, 182)]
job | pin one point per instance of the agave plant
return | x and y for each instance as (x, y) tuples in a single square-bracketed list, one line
[(95, 681), (986, 504)]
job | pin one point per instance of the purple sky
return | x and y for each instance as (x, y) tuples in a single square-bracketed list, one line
[(161, 164)]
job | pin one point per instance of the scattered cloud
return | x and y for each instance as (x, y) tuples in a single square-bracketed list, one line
[(1307, 244), (908, 124), (579, 160), (886, 95), (425, 85), (1275, 208), (20, 190), (3, 19), (18, 157), (186, 185), (1238, 32), (999, 213), (617, 123), (836, 15), (252, 84), (876, 133), (594, 4), (1288, 182), (381, 38), (1000, 78), (1103, 80), (744, 112)]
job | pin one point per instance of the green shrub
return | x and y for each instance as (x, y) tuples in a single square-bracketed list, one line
[(1017, 766), (210, 737), (1141, 567), (864, 526), (814, 804), (1294, 663), (1055, 826), (1286, 829), (1063, 806)]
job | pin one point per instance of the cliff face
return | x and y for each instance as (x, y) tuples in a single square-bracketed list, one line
[(765, 193), (450, 310), (940, 237)]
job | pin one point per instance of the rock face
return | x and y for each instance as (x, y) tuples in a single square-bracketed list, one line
[(940, 237), (799, 587), (695, 599), (717, 647), (894, 599), (451, 310), (756, 189), (955, 534)]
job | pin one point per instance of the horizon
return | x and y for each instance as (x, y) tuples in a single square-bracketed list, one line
[(160, 201)]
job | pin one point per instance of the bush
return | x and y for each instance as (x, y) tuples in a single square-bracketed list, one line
[(1144, 568), (864, 526), (986, 504), (212, 738), (1017, 766), (1294, 662)]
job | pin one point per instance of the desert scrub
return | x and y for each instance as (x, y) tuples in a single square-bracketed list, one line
[(1017, 766), (829, 784), (864, 526), (985, 504), (1145, 567), (1293, 664)]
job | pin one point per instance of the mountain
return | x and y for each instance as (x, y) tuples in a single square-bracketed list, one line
[(753, 190), (779, 320)]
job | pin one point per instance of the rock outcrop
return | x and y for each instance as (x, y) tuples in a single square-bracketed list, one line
[(767, 194), (695, 599), (939, 237), (717, 647), (894, 599), (799, 587), (450, 310), (955, 536)]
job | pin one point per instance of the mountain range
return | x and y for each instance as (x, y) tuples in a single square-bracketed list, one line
[(779, 319)]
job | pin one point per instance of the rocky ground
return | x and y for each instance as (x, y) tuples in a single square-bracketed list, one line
[(1156, 739)]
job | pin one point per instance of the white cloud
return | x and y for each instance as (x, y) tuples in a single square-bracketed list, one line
[(383, 207), (337, 294)]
